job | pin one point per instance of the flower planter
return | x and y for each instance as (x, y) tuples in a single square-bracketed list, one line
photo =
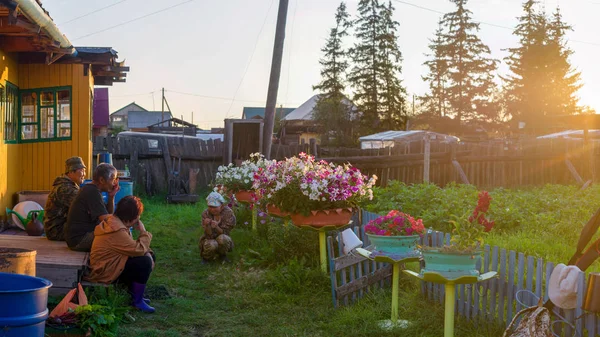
[(395, 245), (451, 265), (275, 211), (244, 196), (332, 217)]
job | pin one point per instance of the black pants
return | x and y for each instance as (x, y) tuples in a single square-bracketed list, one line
[(137, 269)]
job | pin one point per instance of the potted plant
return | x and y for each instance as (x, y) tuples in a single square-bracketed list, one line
[(314, 193), (461, 256), (396, 233), (237, 180)]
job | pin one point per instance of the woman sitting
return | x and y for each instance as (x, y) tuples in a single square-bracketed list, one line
[(117, 258)]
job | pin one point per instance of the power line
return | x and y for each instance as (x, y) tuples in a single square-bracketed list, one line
[(130, 95), (133, 20), (214, 97), (92, 12), (251, 57), (482, 22)]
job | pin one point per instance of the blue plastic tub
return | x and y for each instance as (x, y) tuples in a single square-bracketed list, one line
[(23, 305), (126, 189)]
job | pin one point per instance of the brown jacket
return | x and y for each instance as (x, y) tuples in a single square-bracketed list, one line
[(112, 246)]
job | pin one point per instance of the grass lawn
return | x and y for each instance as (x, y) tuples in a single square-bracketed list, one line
[(266, 290)]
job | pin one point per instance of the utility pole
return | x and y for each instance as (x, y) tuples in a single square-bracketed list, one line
[(163, 105), (274, 79)]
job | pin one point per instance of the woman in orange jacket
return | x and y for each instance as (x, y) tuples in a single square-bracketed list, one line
[(117, 258)]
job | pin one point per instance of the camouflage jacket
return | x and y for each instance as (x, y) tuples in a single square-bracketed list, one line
[(227, 222), (63, 193)]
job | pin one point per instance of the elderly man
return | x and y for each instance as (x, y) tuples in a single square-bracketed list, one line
[(64, 190), (88, 208), (218, 221)]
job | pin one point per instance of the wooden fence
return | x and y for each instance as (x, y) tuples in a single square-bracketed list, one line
[(492, 300), (488, 164), (153, 160)]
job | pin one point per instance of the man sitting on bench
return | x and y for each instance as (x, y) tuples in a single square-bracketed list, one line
[(88, 208), (64, 191)]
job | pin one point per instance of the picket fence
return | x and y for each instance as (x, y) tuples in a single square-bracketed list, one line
[(494, 300)]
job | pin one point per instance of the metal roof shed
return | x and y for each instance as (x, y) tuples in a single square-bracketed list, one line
[(390, 138)]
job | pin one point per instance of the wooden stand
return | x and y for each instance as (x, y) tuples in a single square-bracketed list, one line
[(393, 322), (450, 289)]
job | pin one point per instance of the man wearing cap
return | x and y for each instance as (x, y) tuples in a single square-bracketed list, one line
[(218, 221), (64, 190)]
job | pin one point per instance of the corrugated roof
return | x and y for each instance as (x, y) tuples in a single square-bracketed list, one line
[(305, 111), (96, 50), (254, 112), (399, 135), (142, 119)]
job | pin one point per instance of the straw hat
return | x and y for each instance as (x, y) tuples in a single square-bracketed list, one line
[(562, 288)]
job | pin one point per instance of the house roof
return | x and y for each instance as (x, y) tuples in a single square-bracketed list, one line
[(143, 119), (305, 111), (174, 120), (257, 112), (133, 106), (406, 135)]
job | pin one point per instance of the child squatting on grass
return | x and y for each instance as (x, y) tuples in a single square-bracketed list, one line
[(218, 221)]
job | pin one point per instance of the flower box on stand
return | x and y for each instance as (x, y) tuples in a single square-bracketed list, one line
[(451, 265), (395, 245), (326, 218), (245, 196)]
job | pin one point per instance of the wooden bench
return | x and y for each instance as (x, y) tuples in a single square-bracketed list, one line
[(54, 260)]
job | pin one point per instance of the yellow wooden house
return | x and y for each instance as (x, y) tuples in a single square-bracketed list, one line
[(46, 98)]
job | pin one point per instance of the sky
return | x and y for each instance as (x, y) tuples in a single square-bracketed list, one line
[(213, 57)]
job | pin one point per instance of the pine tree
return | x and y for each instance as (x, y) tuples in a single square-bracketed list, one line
[(434, 103), (378, 91), (331, 112), (470, 68)]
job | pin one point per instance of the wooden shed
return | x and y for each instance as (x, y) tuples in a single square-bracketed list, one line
[(46, 90)]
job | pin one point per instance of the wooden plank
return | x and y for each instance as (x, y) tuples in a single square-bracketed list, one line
[(349, 288), (49, 253), (426, 159), (461, 173), (332, 272), (510, 297), (520, 280), (60, 277), (574, 172)]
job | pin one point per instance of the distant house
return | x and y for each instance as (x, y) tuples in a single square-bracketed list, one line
[(141, 120), (298, 127), (118, 119), (254, 112), (100, 112), (174, 126)]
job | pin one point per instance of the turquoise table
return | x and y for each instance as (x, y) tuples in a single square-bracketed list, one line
[(450, 289), (395, 260)]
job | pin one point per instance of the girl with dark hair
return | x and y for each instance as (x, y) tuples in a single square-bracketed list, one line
[(117, 258)]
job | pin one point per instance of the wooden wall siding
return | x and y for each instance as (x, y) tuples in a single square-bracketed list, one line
[(147, 166), (41, 162), (9, 156), (492, 300)]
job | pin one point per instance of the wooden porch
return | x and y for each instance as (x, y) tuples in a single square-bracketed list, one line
[(54, 261)]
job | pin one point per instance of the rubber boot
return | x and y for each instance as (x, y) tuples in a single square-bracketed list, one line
[(137, 294)]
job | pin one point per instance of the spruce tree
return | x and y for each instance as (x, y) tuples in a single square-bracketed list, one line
[(331, 112), (563, 79), (434, 102), (470, 68), (378, 91)]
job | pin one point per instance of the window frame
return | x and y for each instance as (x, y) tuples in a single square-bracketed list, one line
[(11, 89), (39, 107)]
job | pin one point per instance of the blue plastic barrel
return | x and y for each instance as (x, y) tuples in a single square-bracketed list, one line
[(24, 308), (126, 189), (104, 157)]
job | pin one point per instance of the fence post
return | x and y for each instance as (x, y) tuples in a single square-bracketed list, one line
[(426, 158)]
